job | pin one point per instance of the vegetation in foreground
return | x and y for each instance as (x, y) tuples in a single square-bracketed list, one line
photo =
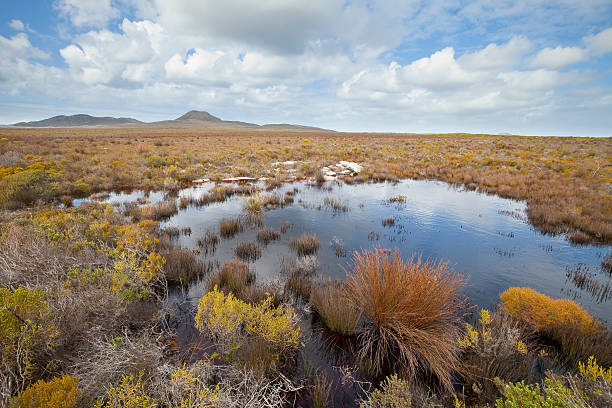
[(82, 294)]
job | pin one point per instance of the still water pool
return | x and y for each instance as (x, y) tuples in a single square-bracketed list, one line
[(484, 237)]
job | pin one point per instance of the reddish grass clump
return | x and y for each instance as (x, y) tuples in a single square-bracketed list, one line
[(413, 315), (340, 316)]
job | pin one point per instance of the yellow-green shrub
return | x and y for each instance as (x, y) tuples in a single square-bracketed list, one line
[(129, 393), (553, 394), (577, 333), (393, 393), (238, 326), (60, 392), (23, 331), (544, 312)]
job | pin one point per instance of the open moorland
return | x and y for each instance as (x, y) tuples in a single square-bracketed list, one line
[(88, 310)]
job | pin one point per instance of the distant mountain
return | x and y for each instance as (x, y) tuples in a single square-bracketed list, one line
[(199, 115), (192, 120), (79, 120)]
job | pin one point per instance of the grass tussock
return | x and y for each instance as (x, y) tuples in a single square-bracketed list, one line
[(412, 311), (228, 227), (182, 266), (331, 304), (322, 391), (234, 276), (267, 235), (247, 251), (208, 243), (159, 211), (305, 244), (335, 204)]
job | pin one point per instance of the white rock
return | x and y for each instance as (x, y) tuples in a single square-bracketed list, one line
[(351, 166)]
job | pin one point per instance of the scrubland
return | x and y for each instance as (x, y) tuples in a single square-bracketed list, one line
[(83, 314)]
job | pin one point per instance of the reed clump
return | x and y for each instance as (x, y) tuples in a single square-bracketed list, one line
[(228, 227), (267, 235), (331, 304), (412, 313), (305, 244), (247, 251), (234, 276)]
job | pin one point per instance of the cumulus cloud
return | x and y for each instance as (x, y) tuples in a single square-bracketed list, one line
[(373, 65), (600, 43), (559, 57), (87, 13), (16, 25)]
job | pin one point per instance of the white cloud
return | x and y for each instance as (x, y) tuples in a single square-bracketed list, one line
[(497, 57), (19, 46), (88, 13), (559, 57), (600, 43), (16, 25)]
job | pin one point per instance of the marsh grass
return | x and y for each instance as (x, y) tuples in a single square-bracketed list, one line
[(234, 276), (388, 222), (228, 227), (412, 313), (335, 204), (305, 244), (247, 251), (267, 235), (208, 243), (159, 211), (322, 391), (182, 266), (331, 304)]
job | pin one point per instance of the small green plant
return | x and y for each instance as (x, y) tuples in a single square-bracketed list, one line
[(321, 391)]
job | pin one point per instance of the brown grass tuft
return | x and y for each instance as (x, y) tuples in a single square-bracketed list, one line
[(247, 251), (228, 227), (234, 276), (305, 244), (339, 315), (413, 314), (267, 235)]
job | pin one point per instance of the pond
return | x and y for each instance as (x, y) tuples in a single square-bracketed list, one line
[(484, 237)]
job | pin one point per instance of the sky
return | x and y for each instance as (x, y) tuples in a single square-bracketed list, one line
[(530, 67)]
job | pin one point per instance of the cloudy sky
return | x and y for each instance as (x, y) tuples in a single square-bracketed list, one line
[(517, 66)]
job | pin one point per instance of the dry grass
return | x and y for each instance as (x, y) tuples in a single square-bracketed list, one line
[(413, 315), (234, 276), (228, 227), (267, 235), (330, 302), (159, 211), (247, 251), (305, 244), (182, 266), (321, 391)]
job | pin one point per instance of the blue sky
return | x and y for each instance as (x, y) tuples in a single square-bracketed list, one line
[(525, 67)]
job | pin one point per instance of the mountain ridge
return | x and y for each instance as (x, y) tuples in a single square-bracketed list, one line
[(191, 119)]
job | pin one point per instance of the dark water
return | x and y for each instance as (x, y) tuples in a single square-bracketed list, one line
[(484, 237)]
